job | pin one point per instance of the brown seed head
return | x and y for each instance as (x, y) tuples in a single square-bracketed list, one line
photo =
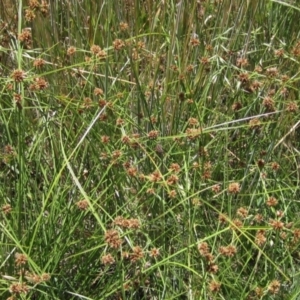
[(172, 194), (18, 75), (107, 259), (25, 36), (34, 4), (123, 26), (153, 134), (228, 251), (172, 179), (275, 166), (254, 124), (174, 167), (112, 238), (193, 122), (95, 49), (260, 238), (203, 249), (71, 51), (276, 224), (243, 77), (234, 188), (29, 15), (242, 212), (242, 62), (19, 288), (194, 42), (269, 103), (155, 176), (274, 287), (137, 254), (38, 63), (214, 286), (20, 259), (118, 44), (154, 252), (292, 107), (272, 72), (271, 201), (82, 204), (6, 208)]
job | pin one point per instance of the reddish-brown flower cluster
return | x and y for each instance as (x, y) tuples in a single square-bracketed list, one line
[(20, 259), (205, 61), (207, 170), (254, 124), (172, 194), (25, 37), (243, 77), (172, 179), (274, 287), (236, 106), (153, 134), (193, 122), (193, 133), (203, 248), (39, 84), (35, 278), (123, 26), (223, 218), (279, 52), (19, 288), (242, 212), (228, 251), (260, 237), (214, 286), (112, 238), (95, 49), (204, 251), (29, 15), (292, 107), (242, 62), (234, 188), (127, 223), (6, 208), (132, 171), (194, 42), (137, 254), (155, 176), (236, 223), (98, 92), (18, 75), (269, 103), (258, 218), (272, 201), (174, 167), (71, 51), (38, 63), (296, 233), (272, 72), (82, 204), (296, 49), (216, 188), (118, 44), (276, 224), (98, 52), (154, 252), (116, 154), (34, 6), (107, 259)]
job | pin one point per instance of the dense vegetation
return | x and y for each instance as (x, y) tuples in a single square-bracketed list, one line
[(149, 149)]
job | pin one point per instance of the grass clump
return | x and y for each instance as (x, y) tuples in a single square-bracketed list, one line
[(149, 150)]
